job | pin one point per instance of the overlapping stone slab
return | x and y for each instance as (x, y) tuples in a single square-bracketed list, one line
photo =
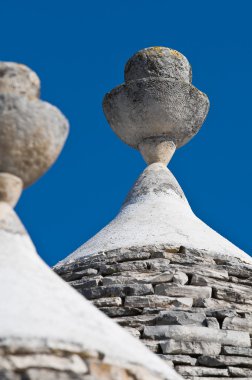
[(186, 323)]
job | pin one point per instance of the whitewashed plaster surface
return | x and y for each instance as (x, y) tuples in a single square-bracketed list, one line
[(157, 212), (37, 306)]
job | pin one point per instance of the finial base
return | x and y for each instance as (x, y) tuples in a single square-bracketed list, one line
[(157, 149), (11, 188)]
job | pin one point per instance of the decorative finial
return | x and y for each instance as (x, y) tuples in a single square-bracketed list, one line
[(32, 132), (157, 109)]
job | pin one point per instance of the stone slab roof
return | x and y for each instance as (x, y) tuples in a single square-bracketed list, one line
[(192, 309)]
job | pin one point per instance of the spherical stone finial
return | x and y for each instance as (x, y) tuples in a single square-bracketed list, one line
[(158, 62), (157, 103), (32, 132), (18, 79)]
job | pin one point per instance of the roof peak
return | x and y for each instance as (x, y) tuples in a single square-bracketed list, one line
[(155, 182), (156, 212)]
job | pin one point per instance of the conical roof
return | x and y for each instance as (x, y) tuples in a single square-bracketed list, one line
[(157, 269), (47, 330), (156, 212), (44, 318)]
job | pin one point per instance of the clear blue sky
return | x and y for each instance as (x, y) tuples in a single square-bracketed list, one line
[(79, 48)]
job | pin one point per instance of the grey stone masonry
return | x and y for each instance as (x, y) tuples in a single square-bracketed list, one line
[(66, 363), (192, 308)]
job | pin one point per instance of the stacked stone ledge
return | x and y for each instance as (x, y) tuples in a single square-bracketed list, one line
[(192, 308), (61, 361)]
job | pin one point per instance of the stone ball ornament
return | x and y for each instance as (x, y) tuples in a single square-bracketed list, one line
[(158, 62), (156, 103), (19, 79), (32, 132)]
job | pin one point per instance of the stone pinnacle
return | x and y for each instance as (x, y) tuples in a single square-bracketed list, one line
[(157, 109)]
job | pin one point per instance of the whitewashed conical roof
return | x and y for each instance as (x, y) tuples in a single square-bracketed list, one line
[(156, 212), (38, 309)]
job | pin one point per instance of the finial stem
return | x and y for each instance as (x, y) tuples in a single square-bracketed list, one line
[(11, 188), (157, 149)]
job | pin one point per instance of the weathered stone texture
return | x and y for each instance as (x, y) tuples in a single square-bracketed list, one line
[(201, 371), (223, 360), (156, 101), (117, 291), (172, 346), (19, 79), (191, 308), (200, 334), (63, 365)]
